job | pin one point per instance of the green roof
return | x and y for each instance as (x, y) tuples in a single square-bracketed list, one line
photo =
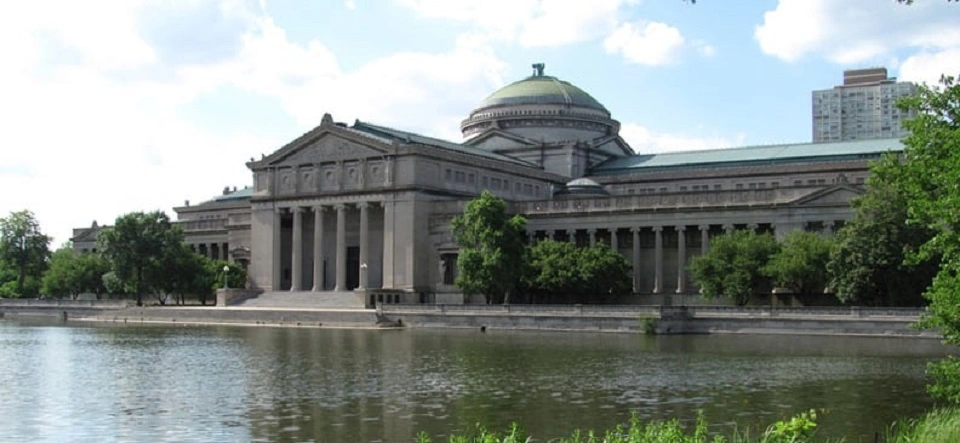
[(240, 194), (410, 137), (750, 155), (541, 89)]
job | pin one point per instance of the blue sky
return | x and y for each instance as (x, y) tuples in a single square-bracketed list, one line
[(113, 106)]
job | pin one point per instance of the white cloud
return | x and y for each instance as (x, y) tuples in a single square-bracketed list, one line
[(95, 113), (651, 43), (350, 4), (929, 66), (856, 31), (645, 141), (532, 23)]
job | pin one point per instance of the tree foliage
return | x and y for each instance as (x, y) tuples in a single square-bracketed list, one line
[(492, 246), (556, 269), (929, 177), (71, 274), (24, 251), (868, 263), (137, 245), (800, 264), (733, 266)]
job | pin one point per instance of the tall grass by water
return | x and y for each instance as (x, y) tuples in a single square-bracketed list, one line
[(940, 425), (799, 428)]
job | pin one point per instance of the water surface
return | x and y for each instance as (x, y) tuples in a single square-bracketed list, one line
[(106, 382)]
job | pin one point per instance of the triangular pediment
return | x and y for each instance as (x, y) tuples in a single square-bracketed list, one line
[(329, 142), (497, 139), (836, 195), (326, 148)]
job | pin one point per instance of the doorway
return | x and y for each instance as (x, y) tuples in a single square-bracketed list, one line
[(353, 267)]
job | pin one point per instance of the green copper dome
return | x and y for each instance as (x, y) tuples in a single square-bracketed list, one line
[(541, 89)]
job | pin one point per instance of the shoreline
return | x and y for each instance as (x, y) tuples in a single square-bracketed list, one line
[(622, 319)]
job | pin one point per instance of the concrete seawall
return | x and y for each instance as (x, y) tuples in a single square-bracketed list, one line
[(347, 318), (665, 320), (588, 318)]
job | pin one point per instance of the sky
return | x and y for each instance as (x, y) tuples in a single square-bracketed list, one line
[(114, 106)]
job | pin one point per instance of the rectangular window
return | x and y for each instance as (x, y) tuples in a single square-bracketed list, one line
[(798, 182), (739, 185), (447, 175), (753, 186), (717, 187), (471, 179), (460, 177), (774, 184), (683, 188), (506, 185)]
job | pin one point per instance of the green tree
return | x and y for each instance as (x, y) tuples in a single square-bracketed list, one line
[(801, 264), (929, 177), (25, 250), (491, 248), (62, 277), (733, 266), (557, 269), (868, 262), (135, 245)]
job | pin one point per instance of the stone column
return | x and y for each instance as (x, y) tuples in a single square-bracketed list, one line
[(551, 233), (277, 267), (614, 241), (753, 227), (364, 242), (728, 228), (593, 237), (341, 282), (658, 260), (296, 279), (572, 236), (828, 227), (704, 239), (681, 259), (636, 259), (317, 248)]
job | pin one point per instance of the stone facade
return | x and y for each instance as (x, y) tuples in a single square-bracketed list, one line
[(367, 208)]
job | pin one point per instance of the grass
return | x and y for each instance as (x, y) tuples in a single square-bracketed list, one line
[(940, 425), (799, 428)]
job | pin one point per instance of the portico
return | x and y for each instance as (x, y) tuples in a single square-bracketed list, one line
[(327, 247)]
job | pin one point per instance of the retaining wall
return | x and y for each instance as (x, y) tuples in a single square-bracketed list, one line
[(665, 320)]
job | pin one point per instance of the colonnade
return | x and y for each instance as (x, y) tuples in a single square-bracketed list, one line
[(613, 238), (296, 279), (216, 251)]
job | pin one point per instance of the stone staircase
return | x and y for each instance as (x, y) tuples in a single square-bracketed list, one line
[(304, 300)]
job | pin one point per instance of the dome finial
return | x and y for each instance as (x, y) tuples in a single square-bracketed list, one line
[(538, 69)]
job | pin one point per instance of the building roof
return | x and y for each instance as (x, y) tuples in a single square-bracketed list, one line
[(410, 137), (240, 194), (750, 155), (541, 89)]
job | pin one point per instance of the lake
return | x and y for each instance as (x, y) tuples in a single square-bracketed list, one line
[(107, 382)]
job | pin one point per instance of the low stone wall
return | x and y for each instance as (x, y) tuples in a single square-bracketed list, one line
[(55, 303), (233, 296), (665, 320), (351, 318)]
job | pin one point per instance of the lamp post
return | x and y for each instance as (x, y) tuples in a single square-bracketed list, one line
[(226, 269)]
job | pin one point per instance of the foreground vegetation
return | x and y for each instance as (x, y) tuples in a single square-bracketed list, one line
[(941, 425), (799, 428)]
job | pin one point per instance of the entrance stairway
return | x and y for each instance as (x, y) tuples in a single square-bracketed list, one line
[(304, 300)]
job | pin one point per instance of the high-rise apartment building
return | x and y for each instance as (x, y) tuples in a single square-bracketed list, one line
[(863, 107)]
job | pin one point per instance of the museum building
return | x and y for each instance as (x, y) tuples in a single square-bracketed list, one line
[(367, 208)]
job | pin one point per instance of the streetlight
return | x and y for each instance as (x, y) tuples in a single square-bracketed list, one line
[(226, 269)]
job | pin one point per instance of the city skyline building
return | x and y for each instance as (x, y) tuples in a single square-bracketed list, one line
[(864, 107)]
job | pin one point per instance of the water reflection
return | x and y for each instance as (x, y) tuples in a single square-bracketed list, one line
[(126, 383)]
